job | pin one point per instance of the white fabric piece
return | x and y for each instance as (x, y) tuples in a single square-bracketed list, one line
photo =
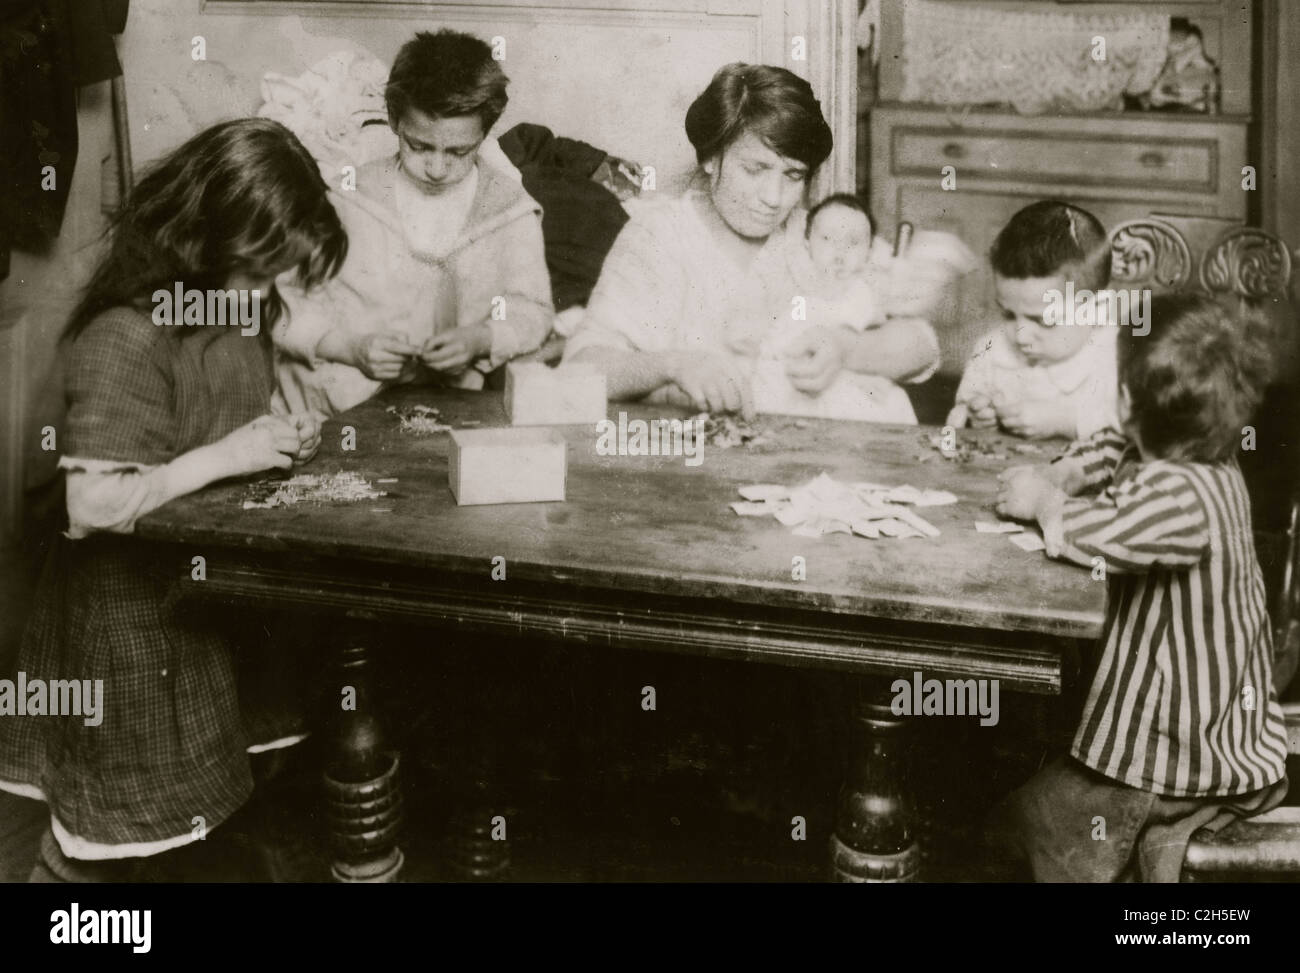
[(913, 284)]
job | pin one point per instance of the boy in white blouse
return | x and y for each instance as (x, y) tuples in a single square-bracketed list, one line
[(1037, 376), (445, 272)]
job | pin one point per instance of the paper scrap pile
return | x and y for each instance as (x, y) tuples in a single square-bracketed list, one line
[(311, 488), (828, 506), (419, 419), (726, 431), (967, 448)]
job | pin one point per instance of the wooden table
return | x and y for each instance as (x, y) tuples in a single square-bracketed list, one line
[(646, 553)]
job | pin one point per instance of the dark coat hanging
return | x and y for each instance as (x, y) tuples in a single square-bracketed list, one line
[(48, 49)]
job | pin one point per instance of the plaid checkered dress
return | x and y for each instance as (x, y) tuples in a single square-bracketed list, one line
[(170, 746)]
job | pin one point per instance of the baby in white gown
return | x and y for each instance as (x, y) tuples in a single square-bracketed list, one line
[(839, 293)]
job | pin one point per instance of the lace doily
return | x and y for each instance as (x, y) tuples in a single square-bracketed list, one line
[(1035, 62)]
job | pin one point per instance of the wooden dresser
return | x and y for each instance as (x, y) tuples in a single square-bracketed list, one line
[(1118, 165)]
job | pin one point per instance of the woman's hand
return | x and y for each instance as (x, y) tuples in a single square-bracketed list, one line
[(268, 442), (308, 428), (715, 383), (453, 350), (381, 355), (814, 359)]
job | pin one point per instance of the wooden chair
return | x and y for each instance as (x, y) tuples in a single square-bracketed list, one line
[(1214, 256), (1265, 847), (1249, 268), (1252, 269)]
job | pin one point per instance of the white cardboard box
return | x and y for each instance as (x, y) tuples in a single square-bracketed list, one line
[(506, 465), (538, 395)]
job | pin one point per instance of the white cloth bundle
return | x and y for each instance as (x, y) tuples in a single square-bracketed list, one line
[(913, 284)]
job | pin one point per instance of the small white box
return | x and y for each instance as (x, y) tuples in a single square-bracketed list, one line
[(506, 465), (538, 395)]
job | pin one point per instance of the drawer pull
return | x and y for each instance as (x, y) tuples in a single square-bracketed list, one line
[(1152, 160), (954, 150)]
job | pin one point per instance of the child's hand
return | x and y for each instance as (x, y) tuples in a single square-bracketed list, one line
[(453, 350), (1068, 475), (1036, 419), (958, 416), (1025, 492), (308, 428), (380, 355), (980, 412), (268, 442)]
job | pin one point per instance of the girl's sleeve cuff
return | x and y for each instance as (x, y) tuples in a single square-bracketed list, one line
[(105, 495)]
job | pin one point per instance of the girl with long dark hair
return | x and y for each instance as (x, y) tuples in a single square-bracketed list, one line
[(162, 400)]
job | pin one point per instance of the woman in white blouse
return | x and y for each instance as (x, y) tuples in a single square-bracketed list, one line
[(683, 269)]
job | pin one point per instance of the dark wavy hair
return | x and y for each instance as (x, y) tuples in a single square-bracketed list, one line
[(774, 104), (1197, 378), (241, 196), (849, 201), (1051, 237), (446, 75)]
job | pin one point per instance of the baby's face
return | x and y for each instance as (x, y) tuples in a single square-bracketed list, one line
[(1024, 304), (839, 241)]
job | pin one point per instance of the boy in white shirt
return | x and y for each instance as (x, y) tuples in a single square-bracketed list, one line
[(1049, 370), (445, 276)]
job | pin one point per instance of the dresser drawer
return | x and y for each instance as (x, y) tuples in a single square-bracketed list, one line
[(1188, 165)]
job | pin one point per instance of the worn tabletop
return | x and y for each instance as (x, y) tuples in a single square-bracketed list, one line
[(656, 526)]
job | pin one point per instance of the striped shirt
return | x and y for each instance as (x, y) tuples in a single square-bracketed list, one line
[(1182, 703)]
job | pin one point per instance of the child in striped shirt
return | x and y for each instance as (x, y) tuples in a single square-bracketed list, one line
[(1181, 728)]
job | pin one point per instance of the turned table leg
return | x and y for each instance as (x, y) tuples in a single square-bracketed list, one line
[(478, 844), (875, 818), (478, 832), (362, 788)]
